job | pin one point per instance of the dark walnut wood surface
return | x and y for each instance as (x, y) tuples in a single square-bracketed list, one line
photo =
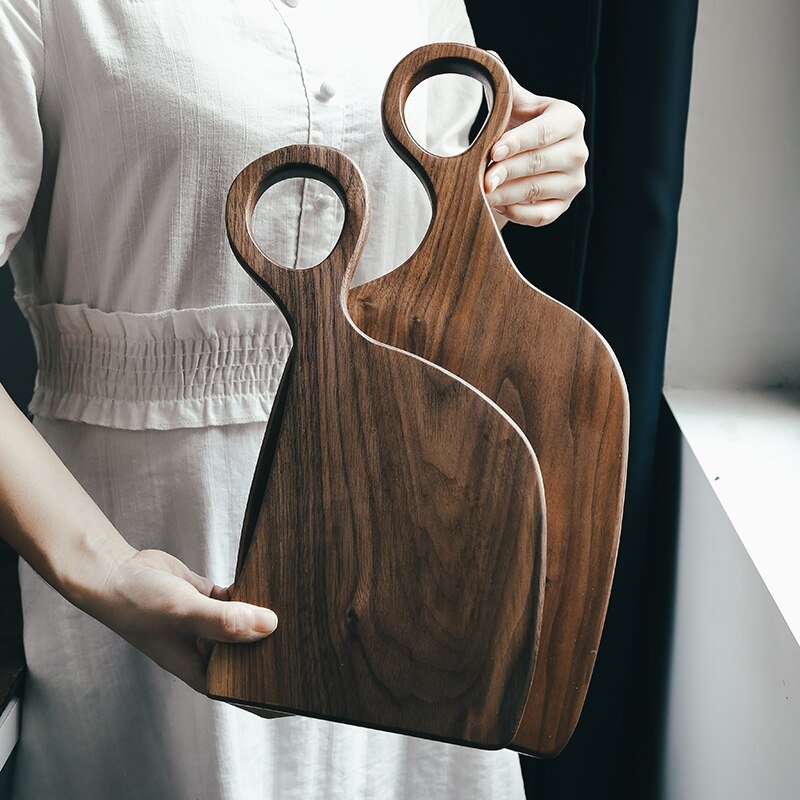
[(395, 523), (460, 302)]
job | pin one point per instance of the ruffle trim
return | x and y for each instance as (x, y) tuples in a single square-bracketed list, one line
[(180, 368)]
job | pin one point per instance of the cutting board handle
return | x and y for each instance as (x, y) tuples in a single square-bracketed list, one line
[(438, 59), (293, 289)]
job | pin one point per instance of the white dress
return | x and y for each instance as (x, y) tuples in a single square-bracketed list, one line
[(122, 124)]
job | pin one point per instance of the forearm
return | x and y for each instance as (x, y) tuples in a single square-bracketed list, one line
[(48, 518), (148, 597)]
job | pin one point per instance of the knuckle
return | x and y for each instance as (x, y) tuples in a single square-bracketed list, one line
[(574, 111), (231, 622), (152, 558), (533, 193), (545, 132), (580, 155), (579, 182), (535, 162)]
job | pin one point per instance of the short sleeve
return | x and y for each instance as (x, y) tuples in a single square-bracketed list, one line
[(453, 102), (21, 77)]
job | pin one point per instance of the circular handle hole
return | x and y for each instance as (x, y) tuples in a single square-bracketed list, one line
[(445, 112), (297, 222)]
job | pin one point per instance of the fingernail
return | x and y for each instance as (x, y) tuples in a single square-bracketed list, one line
[(500, 152), (500, 209), (265, 621), (494, 182)]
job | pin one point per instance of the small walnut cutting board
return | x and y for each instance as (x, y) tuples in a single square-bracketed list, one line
[(460, 302), (396, 518)]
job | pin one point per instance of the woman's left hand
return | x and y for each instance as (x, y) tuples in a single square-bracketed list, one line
[(539, 161)]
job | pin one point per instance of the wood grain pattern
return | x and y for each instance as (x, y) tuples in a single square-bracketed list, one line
[(460, 302), (395, 523)]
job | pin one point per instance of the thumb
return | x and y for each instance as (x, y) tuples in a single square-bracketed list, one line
[(523, 100), (230, 621)]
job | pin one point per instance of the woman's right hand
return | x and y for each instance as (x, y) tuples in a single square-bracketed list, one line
[(173, 615), (146, 596)]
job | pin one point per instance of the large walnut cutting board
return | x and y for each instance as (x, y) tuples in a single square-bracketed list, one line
[(396, 519), (460, 302)]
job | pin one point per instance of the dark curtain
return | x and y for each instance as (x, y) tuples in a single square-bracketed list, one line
[(628, 66), (17, 354), (17, 370)]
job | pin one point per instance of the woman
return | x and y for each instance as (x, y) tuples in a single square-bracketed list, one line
[(123, 123)]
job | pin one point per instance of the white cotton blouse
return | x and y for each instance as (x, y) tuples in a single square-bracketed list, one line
[(122, 125)]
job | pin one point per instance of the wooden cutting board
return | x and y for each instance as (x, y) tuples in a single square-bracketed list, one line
[(396, 518), (460, 302)]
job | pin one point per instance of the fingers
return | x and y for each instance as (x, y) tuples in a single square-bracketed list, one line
[(538, 163), (551, 186), (563, 156), (524, 102), (158, 559), (558, 121), (209, 612), (204, 585), (220, 592), (201, 583), (230, 621), (536, 215)]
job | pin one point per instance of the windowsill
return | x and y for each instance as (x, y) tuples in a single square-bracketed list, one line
[(748, 445)]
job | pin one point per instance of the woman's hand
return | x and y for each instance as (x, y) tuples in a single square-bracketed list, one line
[(538, 163), (174, 616), (148, 597)]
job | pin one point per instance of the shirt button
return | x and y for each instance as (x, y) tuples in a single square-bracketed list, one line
[(325, 92), (323, 202), (292, 3)]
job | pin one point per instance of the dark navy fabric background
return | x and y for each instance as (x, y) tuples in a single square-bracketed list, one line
[(611, 256)]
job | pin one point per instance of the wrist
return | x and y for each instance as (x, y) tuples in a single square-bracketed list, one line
[(87, 580)]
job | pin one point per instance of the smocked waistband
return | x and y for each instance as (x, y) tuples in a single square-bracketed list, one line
[(180, 368)]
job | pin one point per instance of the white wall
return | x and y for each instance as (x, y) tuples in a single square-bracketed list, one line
[(736, 301), (734, 711)]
